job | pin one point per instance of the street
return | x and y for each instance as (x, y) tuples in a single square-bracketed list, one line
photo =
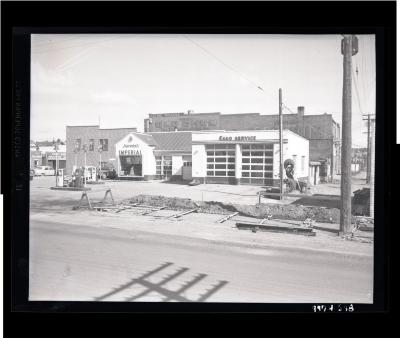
[(84, 263), (89, 255)]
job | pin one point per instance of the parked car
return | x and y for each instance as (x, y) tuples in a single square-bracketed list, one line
[(31, 174), (44, 170), (107, 171)]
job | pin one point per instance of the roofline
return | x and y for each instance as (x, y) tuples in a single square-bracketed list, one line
[(93, 125), (169, 132), (103, 128)]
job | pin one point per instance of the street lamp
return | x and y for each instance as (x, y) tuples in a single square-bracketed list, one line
[(84, 148), (76, 151), (56, 149), (100, 149)]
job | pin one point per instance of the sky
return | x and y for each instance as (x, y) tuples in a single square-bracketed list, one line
[(79, 79)]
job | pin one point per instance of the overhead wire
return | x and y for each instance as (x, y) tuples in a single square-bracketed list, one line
[(256, 85)]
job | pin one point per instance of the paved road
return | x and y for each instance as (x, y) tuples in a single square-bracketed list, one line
[(70, 262)]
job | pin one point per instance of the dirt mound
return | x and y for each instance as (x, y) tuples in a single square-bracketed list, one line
[(360, 202), (287, 211)]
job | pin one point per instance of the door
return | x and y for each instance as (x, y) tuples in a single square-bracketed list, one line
[(187, 171)]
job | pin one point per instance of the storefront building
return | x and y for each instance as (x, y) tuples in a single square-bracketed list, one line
[(154, 156), (92, 144), (246, 157), (321, 130), (47, 156), (226, 157)]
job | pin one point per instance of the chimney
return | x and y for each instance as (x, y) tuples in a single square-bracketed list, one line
[(300, 121), (300, 111)]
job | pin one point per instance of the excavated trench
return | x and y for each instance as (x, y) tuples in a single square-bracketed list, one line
[(287, 211)]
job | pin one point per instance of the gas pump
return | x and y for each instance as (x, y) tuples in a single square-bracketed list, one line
[(60, 178), (90, 173)]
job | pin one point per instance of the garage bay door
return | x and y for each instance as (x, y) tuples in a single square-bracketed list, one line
[(257, 164)]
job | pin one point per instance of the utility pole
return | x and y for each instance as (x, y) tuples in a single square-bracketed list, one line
[(372, 171), (368, 119), (280, 144), (349, 48)]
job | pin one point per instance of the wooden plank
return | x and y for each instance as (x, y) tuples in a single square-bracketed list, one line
[(146, 212), (266, 193), (183, 213), (274, 228), (227, 217)]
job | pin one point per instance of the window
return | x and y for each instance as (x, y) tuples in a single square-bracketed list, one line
[(103, 144), (295, 160), (220, 160), (91, 144), (167, 166), (303, 160), (78, 144), (158, 165), (257, 162)]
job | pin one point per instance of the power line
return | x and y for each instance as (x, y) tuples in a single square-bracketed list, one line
[(256, 85), (358, 94)]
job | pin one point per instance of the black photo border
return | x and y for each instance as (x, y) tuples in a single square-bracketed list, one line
[(21, 19)]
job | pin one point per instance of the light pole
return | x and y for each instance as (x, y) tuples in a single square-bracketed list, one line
[(56, 149), (84, 148), (100, 150)]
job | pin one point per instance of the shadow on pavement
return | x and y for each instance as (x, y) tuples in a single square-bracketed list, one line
[(168, 295)]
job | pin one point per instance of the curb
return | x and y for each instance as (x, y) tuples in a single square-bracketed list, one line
[(292, 250)]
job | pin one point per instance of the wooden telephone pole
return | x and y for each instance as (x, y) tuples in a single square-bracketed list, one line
[(369, 120), (349, 48), (372, 171), (280, 145)]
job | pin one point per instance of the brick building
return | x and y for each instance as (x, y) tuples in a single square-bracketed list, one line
[(321, 130), (93, 137)]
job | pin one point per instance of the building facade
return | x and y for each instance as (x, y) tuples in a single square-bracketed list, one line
[(229, 157), (321, 130), (246, 157), (48, 156), (98, 143)]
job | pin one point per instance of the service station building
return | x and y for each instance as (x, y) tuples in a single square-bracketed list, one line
[(212, 156)]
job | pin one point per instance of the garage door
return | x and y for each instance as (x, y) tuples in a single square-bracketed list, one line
[(257, 164)]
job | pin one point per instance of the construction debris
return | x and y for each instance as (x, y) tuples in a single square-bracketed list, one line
[(287, 211), (308, 222), (146, 212), (360, 202), (254, 227), (184, 213), (227, 217)]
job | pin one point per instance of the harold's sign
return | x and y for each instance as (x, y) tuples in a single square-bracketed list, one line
[(237, 138), (130, 146)]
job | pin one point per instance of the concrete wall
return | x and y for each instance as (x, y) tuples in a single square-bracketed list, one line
[(199, 160), (92, 132), (177, 164), (298, 145)]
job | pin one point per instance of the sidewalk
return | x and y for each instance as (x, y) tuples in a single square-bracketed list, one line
[(204, 227)]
